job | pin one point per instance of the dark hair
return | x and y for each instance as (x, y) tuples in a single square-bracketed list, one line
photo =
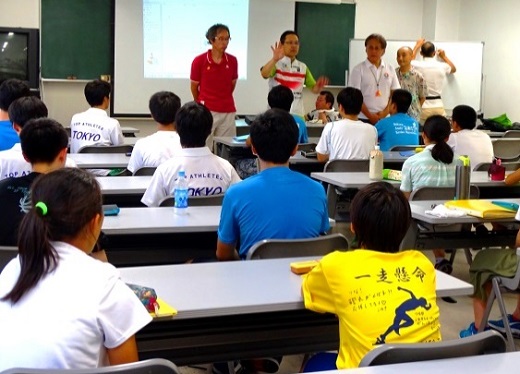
[(402, 100), (351, 100), (42, 140), (26, 108), (380, 217), (380, 38), (164, 106), (73, 198), (274, 134), (10, 90), (96, 91), (194, 122), (286, 33), (280, 97), (465, 116), (428, 49), (329, 97), (437, 128), (212, 32)]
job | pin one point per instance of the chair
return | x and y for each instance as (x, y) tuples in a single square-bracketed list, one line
[(145, 170), (510, 166), (151, 366), (7, 253), (338, 199), (437, 193), (283, 248), (507, 149), (488, 342), (307, 147), (405, 147), (125, 148), (212, 200), (511, 134), (508, 284)]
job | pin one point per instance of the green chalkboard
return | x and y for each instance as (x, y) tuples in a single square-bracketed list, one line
[(76, 38), (325, 31)]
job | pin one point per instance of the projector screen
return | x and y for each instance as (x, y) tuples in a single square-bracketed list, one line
[(156, 41)]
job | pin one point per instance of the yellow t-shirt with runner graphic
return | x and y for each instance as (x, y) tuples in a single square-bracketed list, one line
[(378, 297)]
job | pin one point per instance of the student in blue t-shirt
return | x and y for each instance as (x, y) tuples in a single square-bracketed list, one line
[(10, 90), (276, 203), (399, 128)]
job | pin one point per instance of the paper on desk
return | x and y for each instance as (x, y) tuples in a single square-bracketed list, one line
[(445, 212)]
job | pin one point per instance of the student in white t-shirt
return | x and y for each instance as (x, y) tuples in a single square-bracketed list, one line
[(348, 138), (161, 146), (466, 140), (59, 307), (94, 126), (12, 161), (207, 174)]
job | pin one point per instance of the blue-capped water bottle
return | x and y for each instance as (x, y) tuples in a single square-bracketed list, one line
[(180, 193)]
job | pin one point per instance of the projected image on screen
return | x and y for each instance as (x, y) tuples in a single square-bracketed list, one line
[(176, 28)]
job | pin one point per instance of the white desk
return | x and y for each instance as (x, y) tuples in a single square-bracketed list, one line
[(244, 308), (496, 363), (100, 160), (131, 185), (163, 220)]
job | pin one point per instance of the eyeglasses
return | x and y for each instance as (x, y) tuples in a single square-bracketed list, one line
[(222, 39), (292, 43)]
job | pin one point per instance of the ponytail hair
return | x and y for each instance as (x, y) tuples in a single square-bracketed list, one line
[(437, 128), (63, 202)]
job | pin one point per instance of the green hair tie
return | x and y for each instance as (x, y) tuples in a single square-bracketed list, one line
[(42, 206)]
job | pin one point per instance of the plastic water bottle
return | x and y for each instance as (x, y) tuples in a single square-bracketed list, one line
[(462, 178), (180, 193), (375, 167)]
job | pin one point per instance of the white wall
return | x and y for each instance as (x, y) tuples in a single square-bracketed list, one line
[(496, 23)]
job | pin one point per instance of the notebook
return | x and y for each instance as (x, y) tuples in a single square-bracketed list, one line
[(165, 310), (481, 208)]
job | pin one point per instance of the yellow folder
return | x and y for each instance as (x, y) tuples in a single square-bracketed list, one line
[(165, 310), (481, 208)]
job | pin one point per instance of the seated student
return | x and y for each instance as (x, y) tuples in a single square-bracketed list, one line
[(281, 97), (44, 143), (347, 138), (465, 140), (433, 167), (207, 174), (10, 90), (399, 128), (485, 265), (379, 294), (161, 146), (12, 161), (324, 111), (94, 126), (74, 311), (276, 203)]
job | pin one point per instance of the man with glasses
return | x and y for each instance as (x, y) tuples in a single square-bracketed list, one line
[(213, 78), (283, 68)]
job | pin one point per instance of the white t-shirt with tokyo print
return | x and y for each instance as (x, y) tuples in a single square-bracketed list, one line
[(207, 175), (94, 127)]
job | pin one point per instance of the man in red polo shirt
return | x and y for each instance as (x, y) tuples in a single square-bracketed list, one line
[(213, 79)]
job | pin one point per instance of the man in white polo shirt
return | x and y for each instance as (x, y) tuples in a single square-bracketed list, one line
[(376, 79), (161, 146), (207, 174), (434, 73), (94, 126)]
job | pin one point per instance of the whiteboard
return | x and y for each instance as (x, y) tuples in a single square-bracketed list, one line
[(462, 87)]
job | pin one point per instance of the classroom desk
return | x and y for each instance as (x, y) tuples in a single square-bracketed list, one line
[(100, 160), (437, 238), (239, 309), (149, 236), (488, 188), (495, 363), (127, 185)]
